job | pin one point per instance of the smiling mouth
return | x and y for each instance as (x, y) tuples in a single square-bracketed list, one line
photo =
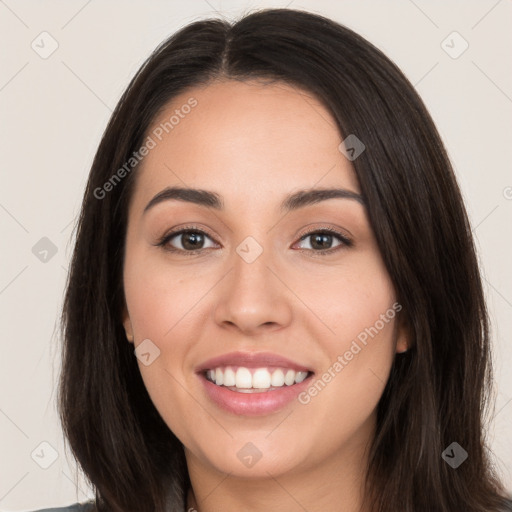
[(255, 380)]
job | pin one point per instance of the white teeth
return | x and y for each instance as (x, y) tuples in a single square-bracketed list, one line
[(243, 378), (229, 377), (300, 376), (260, 378), (289, 378), (277, 378)]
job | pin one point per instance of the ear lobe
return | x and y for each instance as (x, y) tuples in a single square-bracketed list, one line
[(403, 334), (128, 328), (401, 346)]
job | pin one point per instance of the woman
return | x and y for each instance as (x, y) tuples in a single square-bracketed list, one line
[(274, 300)]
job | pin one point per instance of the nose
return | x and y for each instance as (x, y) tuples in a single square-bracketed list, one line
[(252, 298)]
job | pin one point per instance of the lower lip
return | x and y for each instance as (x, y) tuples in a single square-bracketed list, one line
[(253, 404)]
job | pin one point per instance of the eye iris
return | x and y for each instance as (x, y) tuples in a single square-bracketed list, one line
[(321, 241), (192, 240)]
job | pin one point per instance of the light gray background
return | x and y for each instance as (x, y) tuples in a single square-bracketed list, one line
[(54, 111)]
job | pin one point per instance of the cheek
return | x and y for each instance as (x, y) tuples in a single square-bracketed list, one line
[(164, 304), (343, 397), (358, 307), (160, 300), (160, 304), (348, 300)]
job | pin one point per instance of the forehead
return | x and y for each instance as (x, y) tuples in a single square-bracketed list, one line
[(245, 140)]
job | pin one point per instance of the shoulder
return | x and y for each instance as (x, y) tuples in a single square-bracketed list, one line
[(76, 507)]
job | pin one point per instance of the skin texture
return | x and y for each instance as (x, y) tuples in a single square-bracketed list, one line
[(253, 144)]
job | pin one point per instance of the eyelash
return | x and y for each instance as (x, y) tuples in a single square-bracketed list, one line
[(346, 242)]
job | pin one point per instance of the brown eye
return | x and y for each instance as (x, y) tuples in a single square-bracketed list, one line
[(193, 241), (321, 241), (185, 240)]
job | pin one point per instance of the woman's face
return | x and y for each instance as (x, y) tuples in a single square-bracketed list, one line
[(250, 279)]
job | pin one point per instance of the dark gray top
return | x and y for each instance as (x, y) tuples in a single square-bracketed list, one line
[(86, 507), (76, 507)]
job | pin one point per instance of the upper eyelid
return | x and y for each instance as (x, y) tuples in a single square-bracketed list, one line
[(186, 229), (329, 230)]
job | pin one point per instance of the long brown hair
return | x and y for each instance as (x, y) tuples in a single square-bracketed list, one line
[(438, 391)]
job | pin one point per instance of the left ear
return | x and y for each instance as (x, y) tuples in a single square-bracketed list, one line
[(403, 333), (128, 328)]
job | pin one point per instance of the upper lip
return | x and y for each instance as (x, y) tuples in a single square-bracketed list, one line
[(251, 360)]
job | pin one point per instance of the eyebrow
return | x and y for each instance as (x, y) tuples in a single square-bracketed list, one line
[(293, 201)]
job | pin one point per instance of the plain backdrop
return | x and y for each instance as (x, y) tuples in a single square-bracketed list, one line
[(55, 107)]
